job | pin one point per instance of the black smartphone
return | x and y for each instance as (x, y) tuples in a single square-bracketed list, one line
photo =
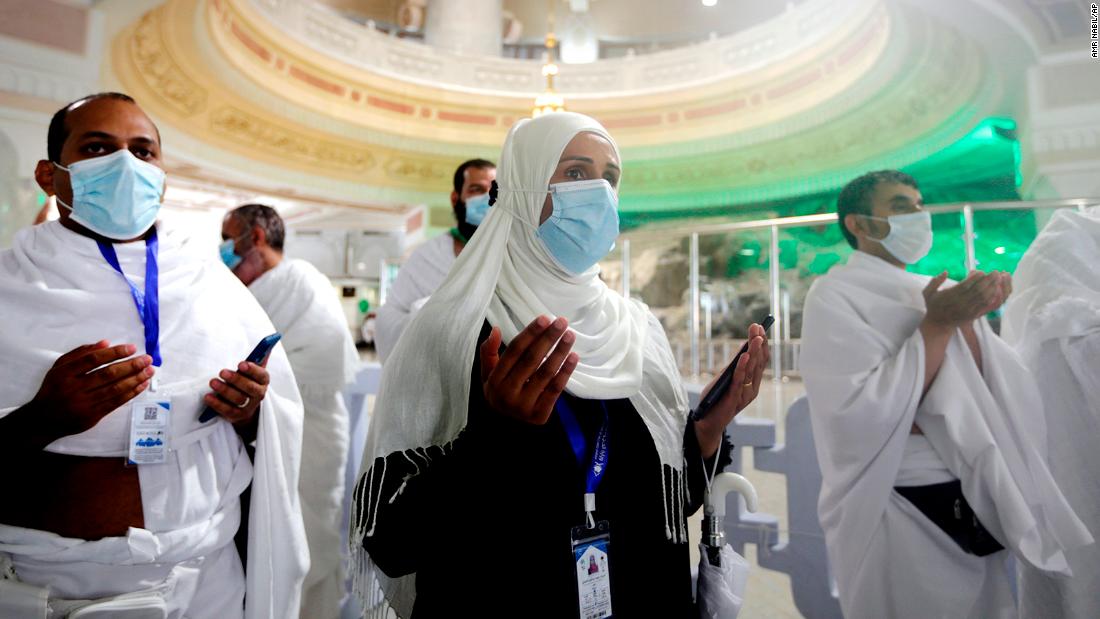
[(257, 356), (723, 384)]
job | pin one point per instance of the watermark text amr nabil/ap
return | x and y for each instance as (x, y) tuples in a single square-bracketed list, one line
[(1094, 29)]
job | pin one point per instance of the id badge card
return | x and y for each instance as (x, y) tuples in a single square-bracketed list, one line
[(149, 427), (591, 558)]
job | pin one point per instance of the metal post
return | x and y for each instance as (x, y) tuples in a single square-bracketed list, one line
[(777, 328), (707, 331), (383, 281), (785, 313), (626, 268), (693, 328), (349, 258), (968, 238)]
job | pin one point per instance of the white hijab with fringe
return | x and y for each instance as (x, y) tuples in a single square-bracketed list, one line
[(506, 275)]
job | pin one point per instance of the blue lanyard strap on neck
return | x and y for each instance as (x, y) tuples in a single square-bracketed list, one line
[(600, 451), (147, 303)]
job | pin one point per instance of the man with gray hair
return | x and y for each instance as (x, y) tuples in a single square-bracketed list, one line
[(303, 306)]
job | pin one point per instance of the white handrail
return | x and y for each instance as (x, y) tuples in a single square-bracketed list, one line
[(804, 221)]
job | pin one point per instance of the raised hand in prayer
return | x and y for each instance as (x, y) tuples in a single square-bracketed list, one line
[(237, 395), (526, 381), (87, 383), (975, 296), (743, 390)]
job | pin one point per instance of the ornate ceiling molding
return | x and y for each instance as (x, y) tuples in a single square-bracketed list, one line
[(806, 27), (155, 59), (159, 71), (809, 55), (893, 87), (935, 88)]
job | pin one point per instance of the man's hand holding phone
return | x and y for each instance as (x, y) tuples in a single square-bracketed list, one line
[(237, 395)]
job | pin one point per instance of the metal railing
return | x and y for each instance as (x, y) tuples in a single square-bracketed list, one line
[(780, 303)]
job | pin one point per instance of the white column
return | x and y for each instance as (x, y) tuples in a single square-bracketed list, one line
[(1061, 136), (464, 26)]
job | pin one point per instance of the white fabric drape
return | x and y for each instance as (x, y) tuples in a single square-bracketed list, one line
[(418, 278), (57, 293), (863, 363), (1053, 319), (304, 307), (506, 275)]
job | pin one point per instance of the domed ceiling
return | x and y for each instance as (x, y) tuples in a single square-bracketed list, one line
[(795, 104)]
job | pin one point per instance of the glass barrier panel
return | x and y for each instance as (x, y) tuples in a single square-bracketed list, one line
[(659, 269), (734, 292)]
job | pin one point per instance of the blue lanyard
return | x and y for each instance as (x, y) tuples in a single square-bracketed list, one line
[(147, 303), (600, 453)]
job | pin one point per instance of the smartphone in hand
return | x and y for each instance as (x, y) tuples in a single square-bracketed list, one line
[(257, 356), (723, 384)]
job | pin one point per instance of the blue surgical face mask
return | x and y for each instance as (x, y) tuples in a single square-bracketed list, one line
[(584, 225), (476, 209), (116, 196), (227, 249)]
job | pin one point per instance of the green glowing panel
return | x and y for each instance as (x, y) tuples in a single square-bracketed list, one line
[(982, 166)]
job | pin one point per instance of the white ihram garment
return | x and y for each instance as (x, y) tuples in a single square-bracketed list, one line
[(418, 279), (57, 293), (1053, 319), (863, 364), (304, 307)]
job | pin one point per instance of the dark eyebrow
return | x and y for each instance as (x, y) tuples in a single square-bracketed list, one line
[(588, 160), (101, 135), (578, 158), (901, 198)]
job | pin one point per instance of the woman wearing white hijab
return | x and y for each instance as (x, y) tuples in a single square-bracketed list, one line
[(481, 460)]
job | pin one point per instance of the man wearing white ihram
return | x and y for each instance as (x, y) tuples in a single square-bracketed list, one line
[(304, 307), (1054, 322), (928, 427), (118, 501)]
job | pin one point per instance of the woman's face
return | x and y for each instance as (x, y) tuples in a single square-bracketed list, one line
[(588, 156)]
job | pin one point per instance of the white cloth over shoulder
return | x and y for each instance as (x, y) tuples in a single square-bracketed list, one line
[(1053, 320), (506, 275), (303, 305), (863, 364), (57, 293), (417, 280)]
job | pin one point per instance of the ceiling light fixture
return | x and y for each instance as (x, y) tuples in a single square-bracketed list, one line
[(549, 101), (710, 2)]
